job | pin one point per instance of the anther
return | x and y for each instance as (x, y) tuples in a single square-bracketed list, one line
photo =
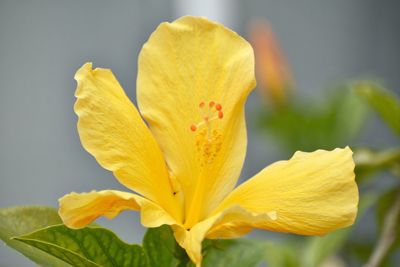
[(214, 112)]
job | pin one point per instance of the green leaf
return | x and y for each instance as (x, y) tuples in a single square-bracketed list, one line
[(89, 247), (21, 220), (161, 248), (286, 253), (350, 113), (233, 253), (310, 125), (320, 248), (385, 103), (369, 161)]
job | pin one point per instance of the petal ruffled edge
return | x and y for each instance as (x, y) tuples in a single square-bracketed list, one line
[(313, 194), (112, 130), (78, 210)]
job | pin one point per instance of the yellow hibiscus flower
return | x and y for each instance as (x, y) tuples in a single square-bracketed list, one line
[(194, 77)]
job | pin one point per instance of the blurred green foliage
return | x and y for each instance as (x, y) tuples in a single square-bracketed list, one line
[(383, 102), (310, 126), (338, 122)]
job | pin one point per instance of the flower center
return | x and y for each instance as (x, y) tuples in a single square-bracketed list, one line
[(208, 136), (208, 143)]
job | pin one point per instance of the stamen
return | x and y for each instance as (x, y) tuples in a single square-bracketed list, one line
[(214, 112), (208, 137), (193, 128)]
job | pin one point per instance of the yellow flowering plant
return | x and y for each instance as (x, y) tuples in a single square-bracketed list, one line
[(193, 79), (182, 154)]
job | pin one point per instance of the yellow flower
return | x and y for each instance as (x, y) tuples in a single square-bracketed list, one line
[(194, 77)]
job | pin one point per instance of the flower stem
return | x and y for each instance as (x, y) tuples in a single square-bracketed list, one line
[(388, 236)]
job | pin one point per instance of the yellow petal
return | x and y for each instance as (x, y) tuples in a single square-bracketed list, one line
[(78, 210), (312, 194), (185, 66), (192, 239), (112, 130)]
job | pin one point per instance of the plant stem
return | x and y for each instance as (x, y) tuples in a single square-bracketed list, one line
[(388, 236)]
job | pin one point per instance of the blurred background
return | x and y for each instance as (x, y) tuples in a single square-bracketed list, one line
[(318, 64)]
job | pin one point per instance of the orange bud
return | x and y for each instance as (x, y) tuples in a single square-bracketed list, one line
[(273, 74)]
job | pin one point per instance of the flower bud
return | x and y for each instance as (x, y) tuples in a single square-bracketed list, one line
[(273, 74)]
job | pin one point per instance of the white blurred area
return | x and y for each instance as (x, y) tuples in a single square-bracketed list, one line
[(223, 11)]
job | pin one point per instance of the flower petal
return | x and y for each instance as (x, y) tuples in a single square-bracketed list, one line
[(192, 239), (193, 78), (312, 194), (78, 210), (112, 130)]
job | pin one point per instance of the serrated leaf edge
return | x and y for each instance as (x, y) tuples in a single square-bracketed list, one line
[(52, 245), (24, 238)]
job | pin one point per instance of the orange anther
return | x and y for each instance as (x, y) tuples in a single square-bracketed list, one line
[(220, 114), (202, 104), (211, 104), (206, 118), (218, 107), (193, 128)]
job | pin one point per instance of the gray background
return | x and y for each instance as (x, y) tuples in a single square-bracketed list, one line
[(43, 43)]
